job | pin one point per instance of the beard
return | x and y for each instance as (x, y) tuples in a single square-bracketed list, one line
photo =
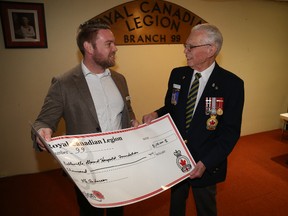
[(104, 62)]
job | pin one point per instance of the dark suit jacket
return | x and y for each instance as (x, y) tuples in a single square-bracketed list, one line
[(69, 97), (212, 147)]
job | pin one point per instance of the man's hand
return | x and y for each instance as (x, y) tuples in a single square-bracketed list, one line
[(198, 171), (134, 123), (149, 117), (46, 133)]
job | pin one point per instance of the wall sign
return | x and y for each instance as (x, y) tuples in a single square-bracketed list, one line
[(150, 22)]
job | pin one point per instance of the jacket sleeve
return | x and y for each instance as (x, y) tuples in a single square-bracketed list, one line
[(51, 111), (167, 103)]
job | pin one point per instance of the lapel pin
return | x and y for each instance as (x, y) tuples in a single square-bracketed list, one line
[(214, 86)]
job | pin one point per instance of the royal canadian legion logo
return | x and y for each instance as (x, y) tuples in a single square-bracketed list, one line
[(182, 161)]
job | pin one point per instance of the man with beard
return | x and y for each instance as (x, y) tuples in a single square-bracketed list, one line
[(91, 98), (207, 113)]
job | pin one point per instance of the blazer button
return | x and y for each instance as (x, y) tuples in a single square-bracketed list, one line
[(216, 170), (186, 141)]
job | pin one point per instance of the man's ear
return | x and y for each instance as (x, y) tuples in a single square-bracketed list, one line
[(88, 47), (212, 50)]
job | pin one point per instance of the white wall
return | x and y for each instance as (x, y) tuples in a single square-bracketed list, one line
[(255, 48)]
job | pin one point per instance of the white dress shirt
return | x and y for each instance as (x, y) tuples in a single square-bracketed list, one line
[(107, 99), (202, 81)]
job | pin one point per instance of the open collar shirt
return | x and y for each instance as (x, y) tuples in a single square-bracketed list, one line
[(107, 99)]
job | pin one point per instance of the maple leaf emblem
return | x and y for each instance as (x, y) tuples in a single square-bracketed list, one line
[(212, 122), (183, 162)]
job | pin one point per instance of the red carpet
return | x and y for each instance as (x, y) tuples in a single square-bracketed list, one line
[(256, 185), (281, 159)]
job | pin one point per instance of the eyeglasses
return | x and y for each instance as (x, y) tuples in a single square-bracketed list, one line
[(189, 47)]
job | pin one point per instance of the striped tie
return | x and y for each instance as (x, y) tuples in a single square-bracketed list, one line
[(192, 100)]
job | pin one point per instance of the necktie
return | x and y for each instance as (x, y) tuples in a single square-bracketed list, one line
[(192, 99)]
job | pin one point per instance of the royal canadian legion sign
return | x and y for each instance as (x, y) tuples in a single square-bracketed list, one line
[(150, 22)]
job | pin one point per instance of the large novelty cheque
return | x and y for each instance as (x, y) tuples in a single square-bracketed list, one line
[(126, 166)]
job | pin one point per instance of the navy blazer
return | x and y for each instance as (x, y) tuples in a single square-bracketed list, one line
[(212, 147)]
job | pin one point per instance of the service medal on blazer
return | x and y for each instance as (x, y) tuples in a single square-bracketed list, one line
[(175, 94), (219, 105), (212, 122), (214, 105), (214, 108), (219, 111)]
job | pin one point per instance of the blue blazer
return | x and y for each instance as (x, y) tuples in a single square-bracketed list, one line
[(212, 147)]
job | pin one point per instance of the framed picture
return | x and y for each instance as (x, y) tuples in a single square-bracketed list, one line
[(23, 24)]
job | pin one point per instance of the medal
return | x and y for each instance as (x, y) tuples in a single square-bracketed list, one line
[(214, 108), (212, 123), (219, 111), (208, 105), (219, 105), (175, 94), (214, 105)]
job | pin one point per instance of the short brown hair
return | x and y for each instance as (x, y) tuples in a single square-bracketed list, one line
[(88, 31)]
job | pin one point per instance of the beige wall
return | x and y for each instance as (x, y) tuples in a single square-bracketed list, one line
[(255, 48)]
